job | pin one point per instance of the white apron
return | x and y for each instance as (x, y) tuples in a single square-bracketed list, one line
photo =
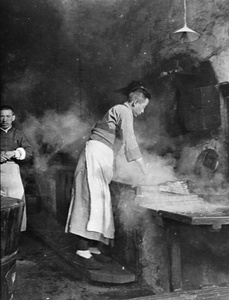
[(90, 213), (11, 185)]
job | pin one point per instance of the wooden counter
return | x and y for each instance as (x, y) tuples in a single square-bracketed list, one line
[(170, 210)]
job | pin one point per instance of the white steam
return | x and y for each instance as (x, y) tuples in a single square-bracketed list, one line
[(54, 132), (159, 170)]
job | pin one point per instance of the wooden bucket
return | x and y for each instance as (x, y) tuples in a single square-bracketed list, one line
[(11, 218)]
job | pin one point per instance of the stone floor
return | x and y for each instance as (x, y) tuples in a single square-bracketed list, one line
[(43, 275)]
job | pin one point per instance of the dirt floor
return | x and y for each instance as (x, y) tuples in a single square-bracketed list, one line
[(43, 275)]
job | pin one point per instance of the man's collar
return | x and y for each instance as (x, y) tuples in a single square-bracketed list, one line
[(7, 129), (127, 104)]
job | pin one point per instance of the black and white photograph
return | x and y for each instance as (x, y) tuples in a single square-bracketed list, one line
[(114, 124)]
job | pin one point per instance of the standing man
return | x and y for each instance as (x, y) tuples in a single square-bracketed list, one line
[(14, 148), (90, 215)]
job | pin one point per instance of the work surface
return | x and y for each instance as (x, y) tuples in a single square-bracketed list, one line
[(182, 206), (197, 212), (174, 200)]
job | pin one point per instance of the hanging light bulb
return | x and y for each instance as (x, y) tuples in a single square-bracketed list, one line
[(185, 34)]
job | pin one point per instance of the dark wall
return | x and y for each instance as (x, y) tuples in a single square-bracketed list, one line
[(58, 53)]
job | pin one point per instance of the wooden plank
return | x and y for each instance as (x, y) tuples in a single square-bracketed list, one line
[(163, 197), (54, 236), (210, 293), (180, 209), (179, 187), (210, 220), (64, 180), (216, 223), (191, 219), (173, 242)]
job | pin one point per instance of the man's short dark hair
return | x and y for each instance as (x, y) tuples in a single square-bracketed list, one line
[(133, 86), (7, 107)]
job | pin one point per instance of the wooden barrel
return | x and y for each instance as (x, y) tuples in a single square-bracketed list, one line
[(11, 218)]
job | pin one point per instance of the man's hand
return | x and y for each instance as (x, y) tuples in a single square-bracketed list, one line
[(142, 166), (6, 156), (3, 158), (3, 193), (9, 154)]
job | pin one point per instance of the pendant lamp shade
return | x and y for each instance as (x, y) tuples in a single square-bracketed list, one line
[(185, 34)]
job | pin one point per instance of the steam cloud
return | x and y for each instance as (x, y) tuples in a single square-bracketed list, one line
[(55, 132)]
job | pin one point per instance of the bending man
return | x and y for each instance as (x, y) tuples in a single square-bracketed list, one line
[(90, 214)]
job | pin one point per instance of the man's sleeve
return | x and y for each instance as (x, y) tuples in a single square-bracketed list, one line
[(132, 150), (26, 146)]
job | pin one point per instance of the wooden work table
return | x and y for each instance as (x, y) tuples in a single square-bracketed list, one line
[(197, 212), (174, 211)]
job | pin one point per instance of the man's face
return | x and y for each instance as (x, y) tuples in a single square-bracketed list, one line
[(6, 117), (139, 107)]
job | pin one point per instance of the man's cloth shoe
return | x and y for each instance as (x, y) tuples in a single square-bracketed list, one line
[(88, 263), (102, 258)]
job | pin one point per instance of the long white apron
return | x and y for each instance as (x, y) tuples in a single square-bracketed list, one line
[(12, 186), (90, 213), (99, 159)]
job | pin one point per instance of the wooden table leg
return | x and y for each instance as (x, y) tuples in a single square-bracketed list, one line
[(173, 241)]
